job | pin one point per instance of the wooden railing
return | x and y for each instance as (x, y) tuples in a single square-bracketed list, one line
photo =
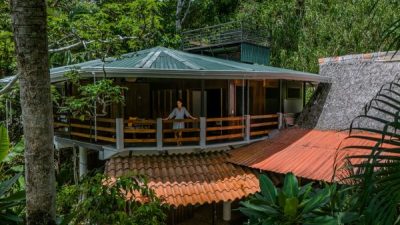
[(103, 131), (160, 133), (227, 128), (140, 131), (190, 134)]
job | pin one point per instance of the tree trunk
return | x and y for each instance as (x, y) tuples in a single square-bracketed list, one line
[(178, 16), (30, 36)]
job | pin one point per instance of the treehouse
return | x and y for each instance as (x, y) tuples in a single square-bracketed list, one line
[(235, 103)]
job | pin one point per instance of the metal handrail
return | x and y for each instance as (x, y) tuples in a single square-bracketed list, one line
[(224, 33)]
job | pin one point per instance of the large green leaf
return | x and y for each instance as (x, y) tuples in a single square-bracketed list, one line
[(317, 201), (15, 197), (291, 207), (16, 151), (4, 143), (322, 220), (252, 213), (290, 186), (268, 189), (9, 201), (6, 185), (261, 208), (347, 217), (10, 218)]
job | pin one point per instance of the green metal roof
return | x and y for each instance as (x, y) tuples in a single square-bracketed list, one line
[(160, 62)]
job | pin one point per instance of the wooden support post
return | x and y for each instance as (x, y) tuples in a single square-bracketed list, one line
[(82, 161), (304, 93), (280, 96), (243, 90), (247, 97), (119, 133), (214, 214), (203, 132), (248, 127), (202, 99), (159, 134), (226, 211)]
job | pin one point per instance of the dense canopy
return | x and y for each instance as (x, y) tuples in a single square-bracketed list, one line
[(300, 31)]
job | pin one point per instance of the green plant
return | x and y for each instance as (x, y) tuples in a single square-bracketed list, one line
[(11, 202), (10, 113), (98, 95), (292, 204), (375, 172), (376, 182), (4, 143), (13, 164), (101, 200)]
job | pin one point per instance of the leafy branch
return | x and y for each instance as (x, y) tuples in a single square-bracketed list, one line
[(92, 97)]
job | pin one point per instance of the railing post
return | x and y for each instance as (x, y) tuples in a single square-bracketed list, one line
[(248, 127), (159, 134), (119, 133), (280, 120), (203, 132)]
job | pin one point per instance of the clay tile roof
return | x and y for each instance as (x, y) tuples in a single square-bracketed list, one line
[(311, 154), (189, 179)]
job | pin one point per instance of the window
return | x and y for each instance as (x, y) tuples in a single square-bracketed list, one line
[(293, 92)]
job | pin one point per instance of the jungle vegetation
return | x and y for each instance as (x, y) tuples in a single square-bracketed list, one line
[(72, 31)]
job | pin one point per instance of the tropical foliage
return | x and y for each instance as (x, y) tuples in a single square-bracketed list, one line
[(4, 143), (91, 96), (11, 202), (94, 29), (301, 32), (101, 200), (293, 204), (377, 175), (7, 60), (12, 194), (10, 113)]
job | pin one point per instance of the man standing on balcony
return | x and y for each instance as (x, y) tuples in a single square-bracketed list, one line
[(179, 113)]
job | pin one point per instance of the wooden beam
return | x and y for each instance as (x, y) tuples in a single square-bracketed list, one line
[(226, 136), (263, 124)]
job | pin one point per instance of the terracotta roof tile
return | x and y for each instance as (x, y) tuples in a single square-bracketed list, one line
[(311, 154), (189, 179)]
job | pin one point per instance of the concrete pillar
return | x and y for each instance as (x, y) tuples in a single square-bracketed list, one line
[(226, 211), (159, 134), (248, 127), (82, 161), (119, 133), (203, 132), (280, 120)]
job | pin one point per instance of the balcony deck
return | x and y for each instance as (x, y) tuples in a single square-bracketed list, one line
[(135, 134), (222, 34)]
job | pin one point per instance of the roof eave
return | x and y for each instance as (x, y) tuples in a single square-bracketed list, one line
[(205, 74), (189, 74)]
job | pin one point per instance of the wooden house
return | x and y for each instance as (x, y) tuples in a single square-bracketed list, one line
[(225, 82), (236, 104)]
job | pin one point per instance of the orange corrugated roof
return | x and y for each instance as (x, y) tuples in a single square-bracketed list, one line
[(312, 154), (189, 179)]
